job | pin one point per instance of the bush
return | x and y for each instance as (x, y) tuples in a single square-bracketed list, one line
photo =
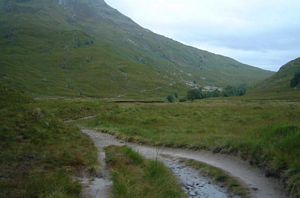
[(171, 98)]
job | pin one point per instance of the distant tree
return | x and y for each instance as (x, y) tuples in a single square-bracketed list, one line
[(241, 90), (183, 99), (175, 95), (296, 80), (171, 99), (216, 93), (229, 91), (194, 94), (234, 91)]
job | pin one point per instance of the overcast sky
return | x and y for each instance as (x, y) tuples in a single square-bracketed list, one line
[(263, 33)]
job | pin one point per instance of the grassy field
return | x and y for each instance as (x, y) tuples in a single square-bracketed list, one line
[(72, 109), (39, 154), (265, 132), (135, 177)]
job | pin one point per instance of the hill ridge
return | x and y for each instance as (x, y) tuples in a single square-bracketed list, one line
[(76, 47), (280, 82)]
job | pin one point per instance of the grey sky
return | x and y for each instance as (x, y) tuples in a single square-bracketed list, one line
[(263, 33)]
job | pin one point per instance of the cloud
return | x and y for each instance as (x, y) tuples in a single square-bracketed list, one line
[(258, 32)]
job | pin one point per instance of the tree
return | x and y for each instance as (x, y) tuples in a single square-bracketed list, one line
[(171, 99), (296, 80), (194, 94), (235, 91), (183, 99), (175, 95), (241, 90)]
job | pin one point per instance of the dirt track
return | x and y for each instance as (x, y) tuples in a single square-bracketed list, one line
[(253, 178)]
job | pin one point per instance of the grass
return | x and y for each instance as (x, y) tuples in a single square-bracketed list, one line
[(265, 132), (40, 155), (221, 178), (135, 177), (66, 109)]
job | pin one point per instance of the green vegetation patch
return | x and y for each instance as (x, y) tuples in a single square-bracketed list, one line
[(73, 109), (39, 154), (134, 176)]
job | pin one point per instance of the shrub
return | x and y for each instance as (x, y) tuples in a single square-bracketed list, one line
[(171, 98)]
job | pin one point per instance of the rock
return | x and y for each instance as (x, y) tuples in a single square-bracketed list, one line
[(192, 193)]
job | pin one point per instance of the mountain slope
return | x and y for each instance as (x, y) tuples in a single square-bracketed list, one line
[(279, 83), (77, 47)]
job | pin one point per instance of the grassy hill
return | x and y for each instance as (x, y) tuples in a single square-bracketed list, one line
[(76, 47), (280, 83)]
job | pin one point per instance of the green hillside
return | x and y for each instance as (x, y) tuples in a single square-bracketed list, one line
[(77, 47), (280, 83)]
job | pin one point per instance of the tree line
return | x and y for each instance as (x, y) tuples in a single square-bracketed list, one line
[(200, 93)]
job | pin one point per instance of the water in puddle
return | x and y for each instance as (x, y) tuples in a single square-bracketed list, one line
[(194, 184)]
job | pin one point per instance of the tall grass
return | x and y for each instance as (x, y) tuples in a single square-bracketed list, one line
[(135, 177), (39, 154)]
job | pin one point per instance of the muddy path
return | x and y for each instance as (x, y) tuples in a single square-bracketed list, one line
[(193, 183), (253, 178)]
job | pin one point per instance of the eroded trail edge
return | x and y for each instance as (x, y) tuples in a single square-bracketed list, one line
[(253, 178)]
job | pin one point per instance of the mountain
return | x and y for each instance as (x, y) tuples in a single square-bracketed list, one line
[(279, 83), (85, 47)]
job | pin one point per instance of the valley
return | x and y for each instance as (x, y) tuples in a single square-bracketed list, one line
[(94, 105), (88, 49)]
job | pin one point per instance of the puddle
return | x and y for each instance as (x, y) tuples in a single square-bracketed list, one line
[(95, 188), (194, 184)]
